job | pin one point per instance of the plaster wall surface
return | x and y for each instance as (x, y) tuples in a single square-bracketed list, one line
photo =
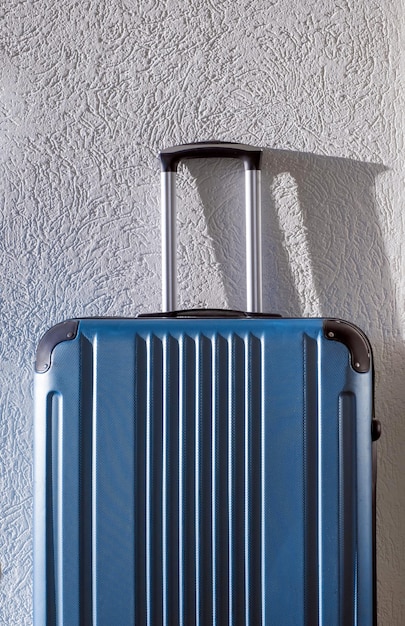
[(91, 91)]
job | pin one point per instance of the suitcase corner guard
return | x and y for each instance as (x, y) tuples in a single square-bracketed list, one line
[(354, 339), (65, 331)]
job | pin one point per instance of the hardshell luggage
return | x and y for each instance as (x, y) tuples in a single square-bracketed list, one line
[(204, 467)]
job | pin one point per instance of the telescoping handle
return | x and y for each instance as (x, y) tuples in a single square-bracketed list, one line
[(251, 158)]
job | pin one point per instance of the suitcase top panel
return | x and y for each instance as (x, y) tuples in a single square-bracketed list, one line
[(276, 328)]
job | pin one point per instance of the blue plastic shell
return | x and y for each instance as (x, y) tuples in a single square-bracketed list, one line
[(202, 472)]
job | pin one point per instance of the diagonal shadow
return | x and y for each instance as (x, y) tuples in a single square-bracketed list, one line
[(341, 241), (221, 188)]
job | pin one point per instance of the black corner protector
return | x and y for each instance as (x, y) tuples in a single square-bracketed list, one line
[(354, 339), (375, 429), (65, 331)]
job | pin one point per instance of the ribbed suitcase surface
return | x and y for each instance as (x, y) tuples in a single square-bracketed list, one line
[(203, 472)]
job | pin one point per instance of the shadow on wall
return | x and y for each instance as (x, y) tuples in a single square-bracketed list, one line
[(323, 254), (322, 247)]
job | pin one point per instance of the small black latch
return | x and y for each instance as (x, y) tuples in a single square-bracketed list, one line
[(375, 429)]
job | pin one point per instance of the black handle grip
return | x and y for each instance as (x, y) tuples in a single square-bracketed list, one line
[(249, 155), (210, 314)]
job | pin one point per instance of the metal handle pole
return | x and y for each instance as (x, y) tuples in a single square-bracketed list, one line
[(169, 241), (253, 242), (170, 158)]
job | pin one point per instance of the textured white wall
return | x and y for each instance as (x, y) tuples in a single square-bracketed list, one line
[(92, 90)]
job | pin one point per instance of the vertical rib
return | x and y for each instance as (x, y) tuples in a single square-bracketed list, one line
[(222, 535), (86, 496), (237, 482), (347, 507), (52, 407), (165, 472), (154, 446), (187, 495), (254, 479), (141, 460), (148, 475), (203, 481), (230, 486), (320, 489), (310, 436), (181, 444), (262, 491), (214, 465), (247, 498), (58, 502), (197, 480), (170, 492)]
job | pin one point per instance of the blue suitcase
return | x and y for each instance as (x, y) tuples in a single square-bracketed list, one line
[(204, 467)]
